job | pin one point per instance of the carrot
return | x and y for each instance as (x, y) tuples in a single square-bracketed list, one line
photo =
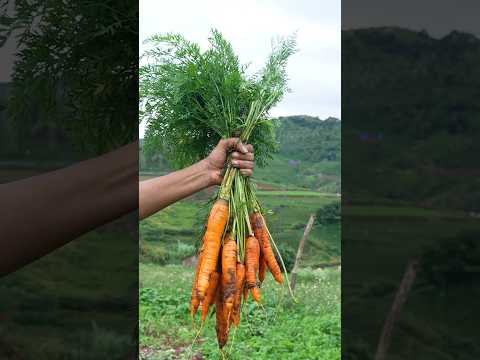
[(263, 267), (210, 296), (239, 286), (211, 245), (221, 326), (251, 264), (245, 292), (195, 301), (260, 231), (229, 262)]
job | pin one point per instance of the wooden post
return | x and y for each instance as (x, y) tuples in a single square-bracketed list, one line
[(398, 301), (308, 228)]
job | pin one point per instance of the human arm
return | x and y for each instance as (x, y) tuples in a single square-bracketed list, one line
[(157, 193), (44, 212)]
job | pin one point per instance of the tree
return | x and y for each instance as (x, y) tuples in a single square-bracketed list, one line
[(76, 67)]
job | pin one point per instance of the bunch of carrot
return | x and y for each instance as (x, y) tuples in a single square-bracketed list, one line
[(223, 276), (190, 99)]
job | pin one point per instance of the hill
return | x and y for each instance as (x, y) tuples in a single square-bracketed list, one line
[(308, 156), (435, 122)]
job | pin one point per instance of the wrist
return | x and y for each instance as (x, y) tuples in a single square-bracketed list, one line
[(210, 174)]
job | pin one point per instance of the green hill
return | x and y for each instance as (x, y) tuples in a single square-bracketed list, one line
[(435, 122), (308, 156)]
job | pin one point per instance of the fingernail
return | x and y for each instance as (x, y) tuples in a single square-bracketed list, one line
[(235, 162)]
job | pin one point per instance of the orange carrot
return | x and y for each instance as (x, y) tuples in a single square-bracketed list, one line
[(252, 254), (195, 301), (260, 231), (210, 296), (245, 292), (221, 326), (211, 245), (263, 267), (239, 286), (229, 262)]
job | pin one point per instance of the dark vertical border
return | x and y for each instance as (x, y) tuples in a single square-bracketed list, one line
[(411, 205), (69, 180)]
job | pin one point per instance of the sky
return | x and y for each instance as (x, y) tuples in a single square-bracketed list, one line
[(250, 26)]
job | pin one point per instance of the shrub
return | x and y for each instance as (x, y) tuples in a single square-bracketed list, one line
[(329, 213), (156, 254), (288, 256)]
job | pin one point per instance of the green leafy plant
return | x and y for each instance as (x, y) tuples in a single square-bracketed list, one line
[(190, 99)]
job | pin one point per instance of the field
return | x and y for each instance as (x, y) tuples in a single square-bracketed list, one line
[(70, 305), (309, 329), (447, 244)]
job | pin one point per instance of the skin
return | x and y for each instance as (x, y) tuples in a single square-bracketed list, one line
[(199, 176), (47, 211)]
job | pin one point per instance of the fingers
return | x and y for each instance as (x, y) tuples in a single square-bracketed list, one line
[(243, 164), (235, 143), (246, 172), (242, 157), (238, 156)]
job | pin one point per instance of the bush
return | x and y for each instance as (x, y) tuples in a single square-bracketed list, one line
[(288, 256), (329, 214), (184, 250), (155, 254)]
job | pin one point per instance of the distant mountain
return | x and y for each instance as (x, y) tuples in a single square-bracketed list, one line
[(436, 121), (309, 138)]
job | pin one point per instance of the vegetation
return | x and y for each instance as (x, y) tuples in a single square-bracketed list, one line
[(422, 141), (76, 82), (190, 99), (329, 214), (305, 330), (52, 311), (292, 167)]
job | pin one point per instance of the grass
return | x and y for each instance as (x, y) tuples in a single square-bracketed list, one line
[(387, 241), (320, 176), (53, 310), (282, 329)]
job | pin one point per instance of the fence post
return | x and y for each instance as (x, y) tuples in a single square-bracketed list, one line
[(400, 298), (307, 230)]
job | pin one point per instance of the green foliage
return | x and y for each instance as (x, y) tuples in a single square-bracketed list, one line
[(191, 99), (310, 139), (151, 253), (79, 74), (288, 255), (329, 213), (452, 260)]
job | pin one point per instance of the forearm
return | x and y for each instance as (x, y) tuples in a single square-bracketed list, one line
[(47, 211), (156, 194)]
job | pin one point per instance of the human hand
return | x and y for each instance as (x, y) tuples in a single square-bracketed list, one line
[(242, 158)]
